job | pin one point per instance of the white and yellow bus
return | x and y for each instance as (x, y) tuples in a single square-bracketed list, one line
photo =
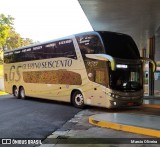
[(93, 68)]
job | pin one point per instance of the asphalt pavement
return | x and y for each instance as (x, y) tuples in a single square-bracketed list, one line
[(32, 118), (79, 132), (75, 129)]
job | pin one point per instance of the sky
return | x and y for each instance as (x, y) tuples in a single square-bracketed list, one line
[(43, 20)]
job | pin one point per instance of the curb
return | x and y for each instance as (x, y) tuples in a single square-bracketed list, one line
[(151, 106), (126, 128)]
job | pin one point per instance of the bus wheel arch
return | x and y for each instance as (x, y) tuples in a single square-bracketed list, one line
[(15, 91), (22, 92), (77, 98)]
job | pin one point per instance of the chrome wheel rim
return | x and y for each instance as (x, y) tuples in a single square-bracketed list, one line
[(16, 92), (79, 99), (22, 93)]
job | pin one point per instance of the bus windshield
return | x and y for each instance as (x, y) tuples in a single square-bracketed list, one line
[(126, 77), (119, 46)]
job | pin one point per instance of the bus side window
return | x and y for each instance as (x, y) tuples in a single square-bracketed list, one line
[(90, 44), (86, 50), (29, 56), (66, 49), (50, 50)]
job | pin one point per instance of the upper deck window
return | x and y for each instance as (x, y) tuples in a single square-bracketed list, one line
[(89, 44), (63, 48)]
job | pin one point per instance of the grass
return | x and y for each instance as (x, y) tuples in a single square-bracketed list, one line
[(1, 70), (2, 93)]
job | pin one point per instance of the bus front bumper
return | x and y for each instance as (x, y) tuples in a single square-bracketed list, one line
[(120, 99)]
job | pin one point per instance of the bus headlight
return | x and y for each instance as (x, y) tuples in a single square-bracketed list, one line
[(114, 103), (116, 96), (113, 95), (110, 94)]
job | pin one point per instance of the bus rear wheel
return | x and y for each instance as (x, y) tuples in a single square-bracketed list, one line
[(22, 93), (15, 92), (78, 99)]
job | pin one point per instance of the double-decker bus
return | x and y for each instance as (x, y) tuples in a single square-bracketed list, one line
[(92, 68)]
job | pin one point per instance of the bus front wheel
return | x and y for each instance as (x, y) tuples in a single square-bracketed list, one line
[(22, 93), (78, 99)]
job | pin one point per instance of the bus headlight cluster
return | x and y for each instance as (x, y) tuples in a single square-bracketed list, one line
[(113, 95)]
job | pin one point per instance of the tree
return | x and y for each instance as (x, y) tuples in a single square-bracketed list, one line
[(14, 40), (9, 38), (26, 41), (1, 56), (6, 23), (6, 20)]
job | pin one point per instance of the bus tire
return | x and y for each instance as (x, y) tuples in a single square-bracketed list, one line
[(22, 93), (78, 99), (15, 92)]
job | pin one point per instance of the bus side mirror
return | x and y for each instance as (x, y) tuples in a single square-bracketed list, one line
[(103, 57), (151, 61)]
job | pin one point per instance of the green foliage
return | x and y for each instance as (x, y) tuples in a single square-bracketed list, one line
[(6, 20), (6, 23), (4, 33), (26, 41), (13, 40), (9, 38)]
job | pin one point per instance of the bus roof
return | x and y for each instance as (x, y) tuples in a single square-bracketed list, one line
[(66, 37)]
